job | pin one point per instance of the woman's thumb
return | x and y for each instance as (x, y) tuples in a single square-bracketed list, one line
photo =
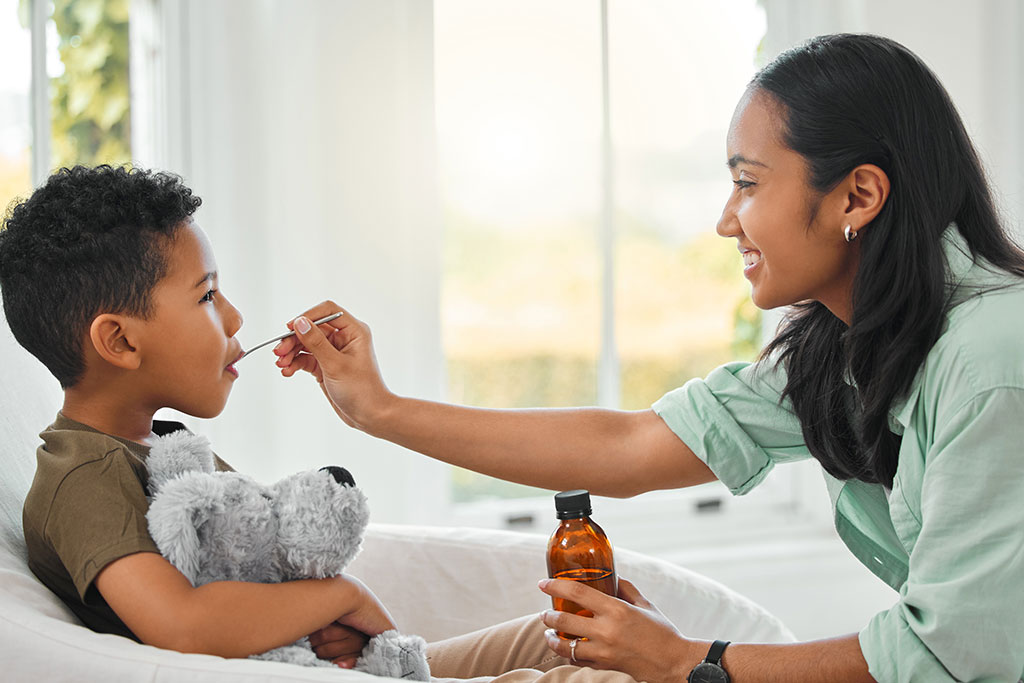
[(311, 336)]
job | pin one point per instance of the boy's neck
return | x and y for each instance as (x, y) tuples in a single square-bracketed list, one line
[(110, 416)]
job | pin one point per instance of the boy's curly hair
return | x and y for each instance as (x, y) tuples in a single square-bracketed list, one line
[(89, 241)]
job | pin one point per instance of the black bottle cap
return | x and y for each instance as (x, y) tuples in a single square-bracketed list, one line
[(572, 504)]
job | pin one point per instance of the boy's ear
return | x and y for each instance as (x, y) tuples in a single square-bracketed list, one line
[(110, 337)]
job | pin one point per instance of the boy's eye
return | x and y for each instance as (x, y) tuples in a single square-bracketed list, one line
[(208, 297)]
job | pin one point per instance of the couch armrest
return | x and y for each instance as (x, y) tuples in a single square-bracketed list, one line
[(441, 581)]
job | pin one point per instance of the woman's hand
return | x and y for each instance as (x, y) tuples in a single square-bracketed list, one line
[(627, 634), (342, 645), (340, 355)]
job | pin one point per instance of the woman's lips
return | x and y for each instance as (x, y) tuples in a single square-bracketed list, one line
[(751, 259)]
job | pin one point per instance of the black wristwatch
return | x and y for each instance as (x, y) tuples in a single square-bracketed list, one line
[(711, 670)]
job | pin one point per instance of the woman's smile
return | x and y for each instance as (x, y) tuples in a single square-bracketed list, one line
[(751, 260)]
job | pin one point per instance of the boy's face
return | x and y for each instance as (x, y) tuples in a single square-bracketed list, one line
[(188, 345)]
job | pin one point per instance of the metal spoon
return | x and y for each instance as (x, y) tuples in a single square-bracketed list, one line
[(288, 334)]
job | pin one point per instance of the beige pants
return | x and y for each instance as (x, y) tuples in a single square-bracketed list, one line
[(513, 652)]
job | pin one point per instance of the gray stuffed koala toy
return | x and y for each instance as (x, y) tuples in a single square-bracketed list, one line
[(224, 526)]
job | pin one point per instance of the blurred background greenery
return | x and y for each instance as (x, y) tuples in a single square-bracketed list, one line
[(90, 105)]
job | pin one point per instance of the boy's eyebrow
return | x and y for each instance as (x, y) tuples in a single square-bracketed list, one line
[(205, 278), (737, 159)]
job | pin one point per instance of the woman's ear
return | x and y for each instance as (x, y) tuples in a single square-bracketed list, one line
[(110, 337), (866, 189)]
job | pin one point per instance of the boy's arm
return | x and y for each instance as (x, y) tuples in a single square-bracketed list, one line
[(231, 618)]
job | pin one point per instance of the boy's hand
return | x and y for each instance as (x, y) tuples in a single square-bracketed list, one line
[(340, 355), (367, 614), (342, 645)]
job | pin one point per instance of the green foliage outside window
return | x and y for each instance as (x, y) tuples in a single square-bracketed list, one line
[(90, 102)]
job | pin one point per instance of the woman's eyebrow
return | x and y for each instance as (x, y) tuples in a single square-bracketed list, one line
[(737, 159)]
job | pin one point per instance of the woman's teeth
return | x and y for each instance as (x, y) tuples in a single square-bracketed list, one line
[(751, 257)]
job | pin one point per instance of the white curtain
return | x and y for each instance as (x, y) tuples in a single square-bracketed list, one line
[(307, 128)]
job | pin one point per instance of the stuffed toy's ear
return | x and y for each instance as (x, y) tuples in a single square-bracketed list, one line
[(321, 524), (176, 515), (174, 454)]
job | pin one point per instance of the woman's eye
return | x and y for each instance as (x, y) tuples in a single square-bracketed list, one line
[(742, 184), (208, 297)]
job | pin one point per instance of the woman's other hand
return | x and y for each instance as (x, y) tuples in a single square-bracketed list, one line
[(340, 355), (626, 634)]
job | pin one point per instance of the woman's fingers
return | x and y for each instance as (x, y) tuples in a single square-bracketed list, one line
[(632, 595), (577, 654), (302, 362), (564, 622), (345, 322), (583, 595)]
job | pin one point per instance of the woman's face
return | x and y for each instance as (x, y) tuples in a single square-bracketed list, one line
[(790, 235)]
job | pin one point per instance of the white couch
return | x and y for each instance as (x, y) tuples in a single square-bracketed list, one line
[(437, 582)]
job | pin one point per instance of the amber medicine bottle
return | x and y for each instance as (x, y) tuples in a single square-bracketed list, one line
[(579, 550)]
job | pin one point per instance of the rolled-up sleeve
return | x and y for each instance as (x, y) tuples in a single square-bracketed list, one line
[(734, 421), (960, 614)]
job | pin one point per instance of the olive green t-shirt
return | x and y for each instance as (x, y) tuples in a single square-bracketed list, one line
[(86, 508)]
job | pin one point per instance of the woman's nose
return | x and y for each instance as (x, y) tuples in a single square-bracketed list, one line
[(728, 224)]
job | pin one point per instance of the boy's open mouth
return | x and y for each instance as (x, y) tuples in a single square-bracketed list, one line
[(231, 366)]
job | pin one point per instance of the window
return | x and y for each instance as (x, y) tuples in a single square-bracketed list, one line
[(15, 103), (65, 95), (581, 262), (89, 97)]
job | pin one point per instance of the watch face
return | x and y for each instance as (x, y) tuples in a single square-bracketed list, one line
[(706, 672)]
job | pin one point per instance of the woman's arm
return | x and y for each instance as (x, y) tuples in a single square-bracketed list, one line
[(231, 618), (612, 453)]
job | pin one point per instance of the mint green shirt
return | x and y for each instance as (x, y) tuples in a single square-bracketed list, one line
[(949, 537)]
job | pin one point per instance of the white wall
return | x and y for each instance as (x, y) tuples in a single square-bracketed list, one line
[(307, 129)]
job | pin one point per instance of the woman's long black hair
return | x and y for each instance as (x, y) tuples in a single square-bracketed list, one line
[(862, 99)]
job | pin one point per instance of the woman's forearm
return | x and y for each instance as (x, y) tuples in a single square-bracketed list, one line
[(836, 660), (609, 452)]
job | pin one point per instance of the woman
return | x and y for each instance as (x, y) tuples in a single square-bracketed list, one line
[(859, 201)]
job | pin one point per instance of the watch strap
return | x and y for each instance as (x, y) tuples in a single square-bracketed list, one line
[(716, 652)]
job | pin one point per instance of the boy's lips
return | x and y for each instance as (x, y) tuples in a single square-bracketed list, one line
[(231, 366)]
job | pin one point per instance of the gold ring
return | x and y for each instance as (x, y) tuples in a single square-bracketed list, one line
[(572, 650)]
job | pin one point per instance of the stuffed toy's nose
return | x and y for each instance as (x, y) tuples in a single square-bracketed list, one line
[(340, 474)]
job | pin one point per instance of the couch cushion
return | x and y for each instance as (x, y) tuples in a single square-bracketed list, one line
[(30, 400)]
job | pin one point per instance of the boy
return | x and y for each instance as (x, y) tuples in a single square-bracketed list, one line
[(108, 281)]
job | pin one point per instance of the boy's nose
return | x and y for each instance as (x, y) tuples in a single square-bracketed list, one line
[(232, 319)]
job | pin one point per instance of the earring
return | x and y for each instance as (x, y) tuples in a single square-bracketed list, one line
[(850, 233)]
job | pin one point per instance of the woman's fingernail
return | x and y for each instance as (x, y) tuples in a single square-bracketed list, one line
[(543, 582), (302, 324)]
